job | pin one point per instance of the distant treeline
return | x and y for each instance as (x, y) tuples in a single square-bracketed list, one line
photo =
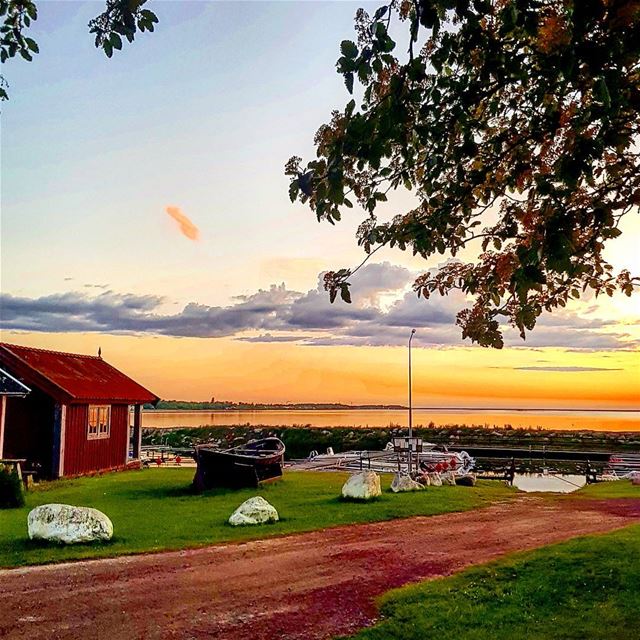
[(226, 405)]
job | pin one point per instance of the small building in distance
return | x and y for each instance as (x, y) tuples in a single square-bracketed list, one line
[(74, 420)]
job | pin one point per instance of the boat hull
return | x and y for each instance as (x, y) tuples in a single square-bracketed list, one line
[(238, 468)]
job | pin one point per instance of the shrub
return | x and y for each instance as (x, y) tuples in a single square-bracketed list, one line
[(11, 489)]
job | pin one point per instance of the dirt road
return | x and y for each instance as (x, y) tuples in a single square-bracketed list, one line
[(311, 586)]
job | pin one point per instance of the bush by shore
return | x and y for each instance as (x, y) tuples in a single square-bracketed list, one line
[(301, 440)]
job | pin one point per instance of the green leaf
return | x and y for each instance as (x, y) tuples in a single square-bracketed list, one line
[(116, 41), (149, 15), (293, 190), (33, 46), (108, 49), (602, 92), (348, 49), (380, 13), (345, 294), (348, 81)]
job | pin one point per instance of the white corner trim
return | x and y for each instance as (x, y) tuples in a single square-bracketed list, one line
[(2, 420), (63, 429)]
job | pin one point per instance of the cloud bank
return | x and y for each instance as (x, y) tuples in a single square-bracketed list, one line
[(567, 369), (385, 309)]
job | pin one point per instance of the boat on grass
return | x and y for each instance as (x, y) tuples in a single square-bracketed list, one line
[(246, 465)]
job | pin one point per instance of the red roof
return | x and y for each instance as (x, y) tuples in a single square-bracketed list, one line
[(71, 377)]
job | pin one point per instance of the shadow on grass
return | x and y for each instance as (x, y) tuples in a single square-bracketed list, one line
[(180, 491), (27, 545), (343, 499)]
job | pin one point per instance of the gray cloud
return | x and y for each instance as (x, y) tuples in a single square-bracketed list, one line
[(567, 337), (381, 277), (280, 315), (567, 369), (412, 311), (268, 337)]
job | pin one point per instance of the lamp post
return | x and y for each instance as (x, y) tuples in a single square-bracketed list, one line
[(413, 331)]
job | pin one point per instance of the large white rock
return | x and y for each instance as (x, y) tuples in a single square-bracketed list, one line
[(448, 478), (467, 480), (362, 486), (423, 480), (434, 479), (254, 511), (68, 524), (403, 482)]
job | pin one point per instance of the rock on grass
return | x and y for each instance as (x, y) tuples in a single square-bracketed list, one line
[(403, 482), (254, 511), (364, 485), (66, 524)]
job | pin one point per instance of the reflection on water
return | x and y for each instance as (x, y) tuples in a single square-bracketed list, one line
[(558, 483), (562, 420)]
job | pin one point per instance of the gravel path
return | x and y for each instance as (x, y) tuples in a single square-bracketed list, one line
[(307, 586)]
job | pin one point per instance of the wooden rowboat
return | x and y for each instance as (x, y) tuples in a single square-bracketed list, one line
[(246, 465)]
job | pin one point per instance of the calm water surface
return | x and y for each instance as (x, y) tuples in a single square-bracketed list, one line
[(561, 483), (567, 420)]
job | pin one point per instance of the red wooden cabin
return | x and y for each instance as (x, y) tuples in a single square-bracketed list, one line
[(75, 420)]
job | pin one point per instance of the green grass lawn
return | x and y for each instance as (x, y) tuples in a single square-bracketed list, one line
[(584, 588), (154, 510), (606, 490)]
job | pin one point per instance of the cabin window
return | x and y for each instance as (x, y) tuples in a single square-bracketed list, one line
[(99, 422)]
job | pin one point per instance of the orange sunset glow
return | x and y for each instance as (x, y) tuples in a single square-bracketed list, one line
[(455, 377)]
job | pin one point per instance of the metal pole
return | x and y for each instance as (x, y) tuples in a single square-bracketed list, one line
[(410, 400)]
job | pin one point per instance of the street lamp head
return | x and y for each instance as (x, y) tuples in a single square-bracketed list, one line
[(413, 331)]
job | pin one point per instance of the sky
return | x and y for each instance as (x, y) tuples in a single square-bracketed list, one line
[(145, 211)]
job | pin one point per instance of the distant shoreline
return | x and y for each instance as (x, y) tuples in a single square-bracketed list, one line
[(388, 408)]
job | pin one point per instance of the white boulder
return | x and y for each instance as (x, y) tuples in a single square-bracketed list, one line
[(423, 480), (68, 524), (468, 480), (362, 486), (254, 511), (403, 482), (435, 480), (448, 478)]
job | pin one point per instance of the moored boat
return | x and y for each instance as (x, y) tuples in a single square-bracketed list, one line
[(246, 465)]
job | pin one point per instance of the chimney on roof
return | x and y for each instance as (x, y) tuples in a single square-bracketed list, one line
[(99, 352)]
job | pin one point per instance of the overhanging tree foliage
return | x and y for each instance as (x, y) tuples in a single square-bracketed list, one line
[(515, 123), (120, 19)]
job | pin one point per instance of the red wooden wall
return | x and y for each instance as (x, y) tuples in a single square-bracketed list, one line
[(82, 455), (28, 430)]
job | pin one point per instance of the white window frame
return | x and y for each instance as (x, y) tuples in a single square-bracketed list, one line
[(99, 422)]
